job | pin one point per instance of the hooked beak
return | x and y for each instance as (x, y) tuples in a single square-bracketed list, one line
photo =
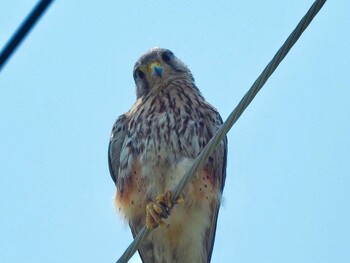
[(156, 69)]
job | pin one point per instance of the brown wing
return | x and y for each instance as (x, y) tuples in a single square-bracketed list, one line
[(203, 130), (115, 146), (215, 167), (219, 171), (118, 137)]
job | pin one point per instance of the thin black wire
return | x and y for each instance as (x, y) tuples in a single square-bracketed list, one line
[(236, 113), (23, 30)]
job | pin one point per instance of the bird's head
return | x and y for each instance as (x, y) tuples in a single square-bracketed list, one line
[(156, 69)]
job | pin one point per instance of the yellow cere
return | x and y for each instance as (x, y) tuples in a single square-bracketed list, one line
[(152, 65)]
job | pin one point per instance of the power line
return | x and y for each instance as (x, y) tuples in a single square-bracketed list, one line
[(236, 113), (23, 30)]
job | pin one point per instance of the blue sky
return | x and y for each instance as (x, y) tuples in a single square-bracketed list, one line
[(287, 190)]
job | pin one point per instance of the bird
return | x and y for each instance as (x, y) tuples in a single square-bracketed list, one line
[(152, 146)]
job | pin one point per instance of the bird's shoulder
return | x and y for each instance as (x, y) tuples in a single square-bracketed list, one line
[(116, 141), (119, 126)]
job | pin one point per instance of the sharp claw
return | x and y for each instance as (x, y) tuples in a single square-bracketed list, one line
[(152, 218), (168, 199), (156, 211), (180, 200), (157, 208)]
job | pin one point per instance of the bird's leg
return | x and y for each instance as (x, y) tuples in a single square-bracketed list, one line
[(160, 209)]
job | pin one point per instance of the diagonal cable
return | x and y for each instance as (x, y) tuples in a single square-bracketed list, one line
[(22, 31), (237, 112)]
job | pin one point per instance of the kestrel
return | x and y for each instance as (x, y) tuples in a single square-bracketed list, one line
[(152, 146)]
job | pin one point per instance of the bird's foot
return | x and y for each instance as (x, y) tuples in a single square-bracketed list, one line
[(160, 209)]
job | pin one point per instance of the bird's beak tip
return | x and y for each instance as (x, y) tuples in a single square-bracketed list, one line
[(157, 70)]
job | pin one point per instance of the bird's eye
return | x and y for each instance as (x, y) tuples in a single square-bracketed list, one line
[(167, 56), (140, 74)]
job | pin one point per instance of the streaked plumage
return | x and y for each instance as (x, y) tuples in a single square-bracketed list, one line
[(153, 145)]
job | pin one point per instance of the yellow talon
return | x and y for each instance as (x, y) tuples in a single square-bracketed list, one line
[(153, 218), (180, 200), (157, 208), (168, 199), (156, 211), (164, 199)]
